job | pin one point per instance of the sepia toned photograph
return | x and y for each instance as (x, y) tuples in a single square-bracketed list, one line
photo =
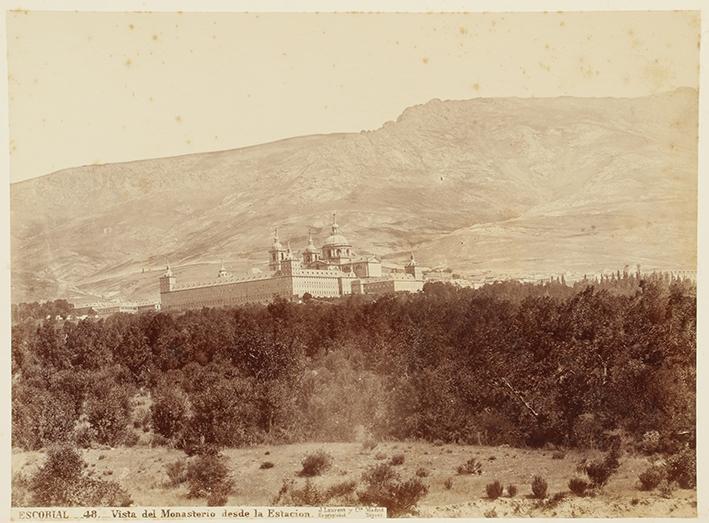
[(299, 264)]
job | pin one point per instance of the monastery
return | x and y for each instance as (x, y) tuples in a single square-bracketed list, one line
[(331, 271)]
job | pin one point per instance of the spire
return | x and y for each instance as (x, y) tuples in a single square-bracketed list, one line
[(334, 222), (275, 234), (168, 270), (222, 271), (412, 260)]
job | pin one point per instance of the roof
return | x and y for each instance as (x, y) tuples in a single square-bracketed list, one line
[(336, 239)]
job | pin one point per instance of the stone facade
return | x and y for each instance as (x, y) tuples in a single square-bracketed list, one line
[(332, 271)]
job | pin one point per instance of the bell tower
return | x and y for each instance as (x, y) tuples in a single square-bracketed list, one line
[(167, 280), (277, 253)]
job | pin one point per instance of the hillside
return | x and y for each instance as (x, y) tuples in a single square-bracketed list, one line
[(502, 186)]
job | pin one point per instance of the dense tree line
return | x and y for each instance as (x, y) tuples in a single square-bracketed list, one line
[(39, 311), (507, 363)]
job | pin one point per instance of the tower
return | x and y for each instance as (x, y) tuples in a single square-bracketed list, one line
[(277, 252), (222, 272), (311, 253), (413, 269), (167, 280)]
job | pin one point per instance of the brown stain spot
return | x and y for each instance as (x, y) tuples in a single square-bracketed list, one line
[(462, 30), (155, 38), (476, 86), (424, 59), (131, 26), (562, 24), (178, 118), (128, 62)]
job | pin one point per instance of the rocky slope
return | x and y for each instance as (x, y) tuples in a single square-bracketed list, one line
[(501, 186)]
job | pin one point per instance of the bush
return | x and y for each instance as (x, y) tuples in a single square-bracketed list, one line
[(666, 488), (421, 472), (380, 456), (682, 468), (342, 490), (316, 463), (385, 489), (578, 486), (600, 471), (266, 465), (511, 490), (472, 466), (379, 474), (494, 489), (169, 412), (60, 482), (369, 444), (397, 459), (651, 477), (539, 487), (176, 472), (558, 454), (21, 494), (208, 477), (311, 495), (448, 483)]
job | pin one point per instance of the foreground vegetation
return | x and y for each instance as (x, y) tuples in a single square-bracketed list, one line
[(427, 483), (598, 365)]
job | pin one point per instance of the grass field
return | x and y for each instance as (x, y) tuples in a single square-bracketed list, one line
[(141, 470)]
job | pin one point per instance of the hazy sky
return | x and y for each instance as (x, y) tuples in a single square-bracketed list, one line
[(106, 87)]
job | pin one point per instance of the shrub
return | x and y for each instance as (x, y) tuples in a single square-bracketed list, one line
[(666, 488), (511, 490), (422, 472), (380, 456), (558, 454), (682, 468), (539, 487), (578, 486), (266, 465), (311, 495), (344, 489), (208, 477), (448, 483), (369, 444), (60, 482), (379, 474), (316, 463), (176, 472), (600, 471), (20, 489), (108, 410), (472, 466), (494, 489), (397, 459), (651, 477), (169, 412), (385, 489)]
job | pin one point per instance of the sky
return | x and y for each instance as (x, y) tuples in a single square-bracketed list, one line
[(90, 88)]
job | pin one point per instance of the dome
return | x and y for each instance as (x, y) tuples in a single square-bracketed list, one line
[(312, 249), (336, 239)]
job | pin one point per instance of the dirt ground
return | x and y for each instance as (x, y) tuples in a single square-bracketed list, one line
[(141, 470)]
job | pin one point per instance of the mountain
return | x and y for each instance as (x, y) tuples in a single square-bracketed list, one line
[(496, 186)]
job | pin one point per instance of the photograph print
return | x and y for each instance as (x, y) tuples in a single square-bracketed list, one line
[(442, 264)]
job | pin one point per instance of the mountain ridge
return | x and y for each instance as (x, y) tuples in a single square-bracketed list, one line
[(443, 169)]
